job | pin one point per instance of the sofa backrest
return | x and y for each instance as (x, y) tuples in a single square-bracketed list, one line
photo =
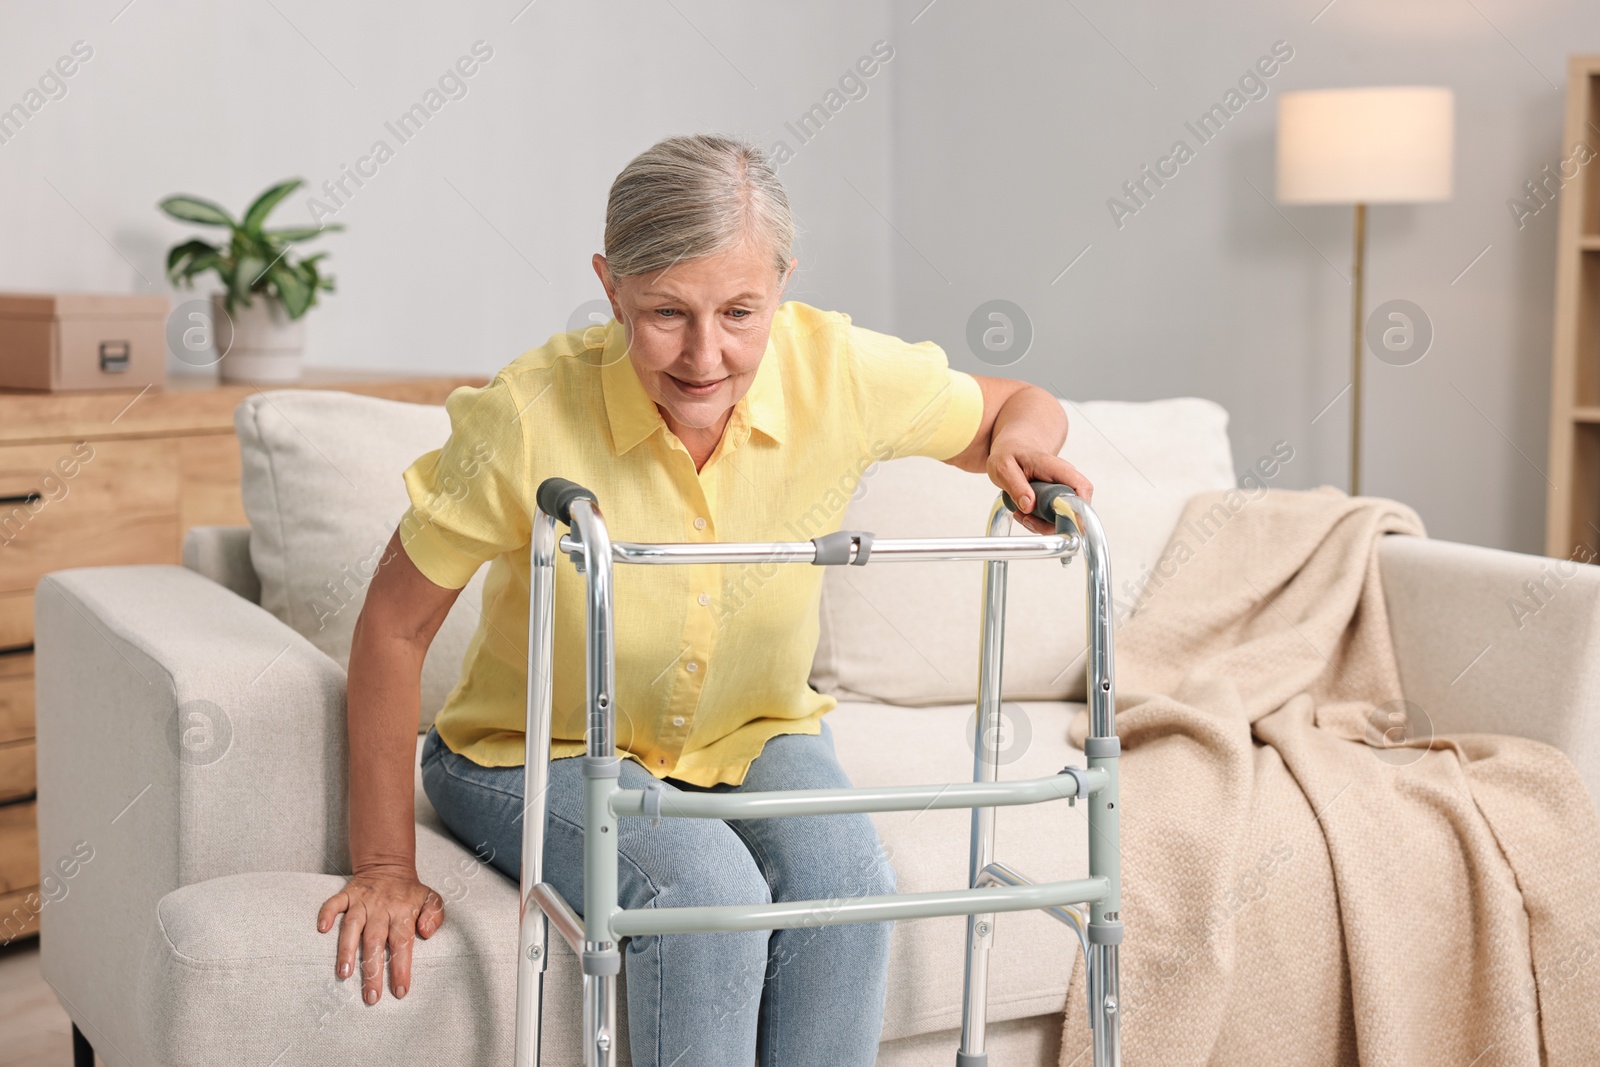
[(320, 477), (222, 554), (322, 489), (908, 633)]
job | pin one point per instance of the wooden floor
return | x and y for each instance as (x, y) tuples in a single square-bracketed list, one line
[(34, 1031)]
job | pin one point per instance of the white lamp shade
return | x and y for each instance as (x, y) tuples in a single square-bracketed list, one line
[(1367, 146)]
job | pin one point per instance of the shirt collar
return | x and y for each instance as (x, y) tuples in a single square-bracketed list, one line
[(633, 416)]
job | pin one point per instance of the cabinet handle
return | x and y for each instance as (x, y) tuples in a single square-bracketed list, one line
[(114, 356)]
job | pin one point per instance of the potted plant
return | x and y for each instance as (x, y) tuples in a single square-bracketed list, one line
[(258, 318)]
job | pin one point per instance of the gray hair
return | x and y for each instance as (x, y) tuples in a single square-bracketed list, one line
[(687, 197)]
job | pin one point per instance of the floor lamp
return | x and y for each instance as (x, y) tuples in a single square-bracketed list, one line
[(1364, 146)]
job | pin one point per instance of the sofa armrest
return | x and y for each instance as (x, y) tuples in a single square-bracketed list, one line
[(155, 676), (1490, 641), (183, 734), (222, 553)]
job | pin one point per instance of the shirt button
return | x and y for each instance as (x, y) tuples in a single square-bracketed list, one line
[(691, 666), (699, 523), (704, 599), (677, 720)]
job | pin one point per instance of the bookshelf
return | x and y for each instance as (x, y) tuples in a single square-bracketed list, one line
[(1572, 518)]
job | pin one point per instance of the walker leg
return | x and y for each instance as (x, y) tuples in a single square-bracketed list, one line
[(1103, 750), (599, 1020), (985, 768), (1105, 996), (533, 954), (1105, 917), (601, 960), (531, 965), (601, 769)]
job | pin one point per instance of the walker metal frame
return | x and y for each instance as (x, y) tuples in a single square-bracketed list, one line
[(1089, 906)]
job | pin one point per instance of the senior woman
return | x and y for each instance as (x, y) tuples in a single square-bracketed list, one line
[(706, 410)]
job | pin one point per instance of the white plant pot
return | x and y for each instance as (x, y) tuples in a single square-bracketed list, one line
[(267, 344)]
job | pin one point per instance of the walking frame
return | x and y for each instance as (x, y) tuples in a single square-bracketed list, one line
[(1089, 906)]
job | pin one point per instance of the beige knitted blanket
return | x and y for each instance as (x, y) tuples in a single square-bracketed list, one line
[(1295, 891)]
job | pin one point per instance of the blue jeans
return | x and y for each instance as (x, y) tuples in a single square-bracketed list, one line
[(787, 998)]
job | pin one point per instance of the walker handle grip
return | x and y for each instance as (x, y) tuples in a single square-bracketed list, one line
[(1045, 495), (555, 497)]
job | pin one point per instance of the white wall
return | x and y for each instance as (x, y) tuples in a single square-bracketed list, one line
[(1015, 122), (473, 243), (977, 166)]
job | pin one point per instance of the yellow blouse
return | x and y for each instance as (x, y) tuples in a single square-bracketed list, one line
[(711, 659)]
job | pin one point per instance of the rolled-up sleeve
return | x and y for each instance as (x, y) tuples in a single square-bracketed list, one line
[(909, 400), (469, 499)]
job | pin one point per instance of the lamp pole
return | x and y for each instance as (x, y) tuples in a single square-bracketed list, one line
[(1358, 283)]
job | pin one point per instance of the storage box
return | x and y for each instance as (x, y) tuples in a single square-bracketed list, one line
[(65, 341)]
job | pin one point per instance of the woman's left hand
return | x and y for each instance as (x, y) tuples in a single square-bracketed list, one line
[(1013, 468)]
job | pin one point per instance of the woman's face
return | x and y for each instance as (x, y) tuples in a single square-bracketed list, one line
[(697, 330)]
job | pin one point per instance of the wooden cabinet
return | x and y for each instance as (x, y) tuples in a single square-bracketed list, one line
[(95, 479), (120, 504), (19, 872), (17, 776)]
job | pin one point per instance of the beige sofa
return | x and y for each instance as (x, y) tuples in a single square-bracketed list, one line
[(191, 736)]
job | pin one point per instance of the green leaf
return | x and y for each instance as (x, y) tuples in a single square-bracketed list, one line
[(301, 233), (244, 279), (194, 209), (197, 266), (255, 245), (315, 278), (291, 289), (187, 254), (257, 213)]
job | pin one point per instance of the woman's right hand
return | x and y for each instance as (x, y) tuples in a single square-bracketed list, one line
[(385, 906)]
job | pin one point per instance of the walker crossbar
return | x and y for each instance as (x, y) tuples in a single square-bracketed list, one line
[(888, 550), (835, 912), (1090, 906), (776, 803), (1002, 874), (1055, 898), (556, 908)]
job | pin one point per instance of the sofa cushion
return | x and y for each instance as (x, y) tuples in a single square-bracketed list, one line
[(237, 973), (907, 633), (320, 478)]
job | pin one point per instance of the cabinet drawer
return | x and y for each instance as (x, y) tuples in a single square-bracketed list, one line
[(83, 504), (16, 618), (19, 846), (16, 696), (210, 481), (18, 775), (19, 914)]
